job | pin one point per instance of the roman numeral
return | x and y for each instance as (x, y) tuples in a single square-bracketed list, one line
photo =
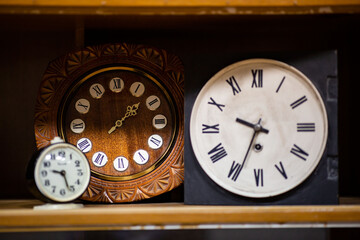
[(298, 102), (281, 83), (217, 153), (137, 88), (234, 171), (83, 106), (257, 78), (281, 169), (97, 90), (117, 83), (78, 125), (259, 177), (159, 121), (234, 85), (152, 102), (210, 128), (300, 153), (155, 141), (99, 158), (306, 127), (121, 164), (212, 102), (83, 144)]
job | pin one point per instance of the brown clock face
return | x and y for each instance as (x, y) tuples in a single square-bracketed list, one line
[(122, 119), (122, 105)]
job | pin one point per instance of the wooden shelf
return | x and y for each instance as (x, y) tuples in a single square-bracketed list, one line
[(19, 215), (179, 7)]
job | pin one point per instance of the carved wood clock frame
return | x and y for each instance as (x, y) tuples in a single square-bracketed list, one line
[(67, 71)]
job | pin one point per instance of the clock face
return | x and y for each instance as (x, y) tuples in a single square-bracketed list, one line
[(258, 128), (62, 173), (122, 119)]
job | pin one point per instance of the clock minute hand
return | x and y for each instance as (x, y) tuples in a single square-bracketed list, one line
[(130, 111), (257, 127)]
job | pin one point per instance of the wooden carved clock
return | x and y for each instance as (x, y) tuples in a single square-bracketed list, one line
[(121, 105)]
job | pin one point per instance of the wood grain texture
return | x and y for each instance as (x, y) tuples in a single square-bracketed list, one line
[(179, 7), (20, 216), (64, 71)]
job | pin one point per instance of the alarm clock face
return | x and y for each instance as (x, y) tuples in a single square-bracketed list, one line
[(61, 172), (122, 119), (258, 128)]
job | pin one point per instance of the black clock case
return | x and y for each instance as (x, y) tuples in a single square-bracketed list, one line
[(321, 188)]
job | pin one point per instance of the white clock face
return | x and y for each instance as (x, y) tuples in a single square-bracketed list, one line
[(62, 172), (258, 128)]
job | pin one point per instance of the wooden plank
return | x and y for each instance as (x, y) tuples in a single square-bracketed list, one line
[(179, 7), (20, 215), (178, 3)]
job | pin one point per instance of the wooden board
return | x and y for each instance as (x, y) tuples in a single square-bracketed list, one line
[(19, 215)]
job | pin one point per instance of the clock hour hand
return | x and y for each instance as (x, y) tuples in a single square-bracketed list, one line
[(130, 111), (257, 127)]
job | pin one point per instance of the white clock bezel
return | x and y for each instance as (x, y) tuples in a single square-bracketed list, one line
[(194, 122)]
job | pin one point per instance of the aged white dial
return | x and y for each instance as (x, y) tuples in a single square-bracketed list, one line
[(258, 128), (62, 172)]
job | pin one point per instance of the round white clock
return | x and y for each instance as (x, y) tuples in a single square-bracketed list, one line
[(258, 128), (59, 172)]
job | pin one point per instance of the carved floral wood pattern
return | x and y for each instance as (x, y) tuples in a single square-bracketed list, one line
[(62, 72)]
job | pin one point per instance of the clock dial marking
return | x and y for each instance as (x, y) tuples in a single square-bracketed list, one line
[(116, 84), (137, 89), (82, 106), (210, 128), (141, 157), (159, 121), (121, 163), (281, 169), (235, 170), (281, 83), (234, 85), (99, 159), (298, 102), (155, 141), (259, 177), (305, 127), (153, 102), (84, 144), (212, 102), (217, 153), (96, 90), (257, 78), (300, 153), (77, 125)]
